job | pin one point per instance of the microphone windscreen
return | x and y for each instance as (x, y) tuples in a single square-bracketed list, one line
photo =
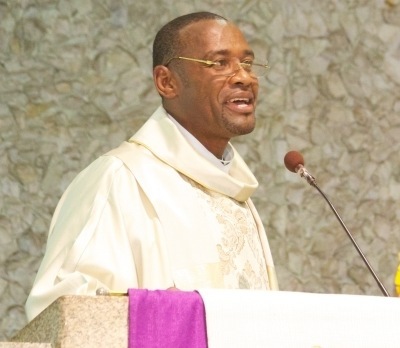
[(292, 160)]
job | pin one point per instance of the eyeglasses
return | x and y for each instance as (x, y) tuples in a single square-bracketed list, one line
[(226, 67)]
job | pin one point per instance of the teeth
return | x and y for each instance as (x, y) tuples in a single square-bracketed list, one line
[(244, 100)]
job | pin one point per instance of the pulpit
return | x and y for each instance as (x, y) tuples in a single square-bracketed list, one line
[(234, 318)]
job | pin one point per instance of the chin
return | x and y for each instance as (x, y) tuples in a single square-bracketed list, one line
[(239, 124), (242, 129)]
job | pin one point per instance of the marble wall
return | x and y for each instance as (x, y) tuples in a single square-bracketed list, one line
[(75, 81)]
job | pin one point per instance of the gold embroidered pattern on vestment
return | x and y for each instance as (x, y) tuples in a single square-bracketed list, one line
[(238, 244)]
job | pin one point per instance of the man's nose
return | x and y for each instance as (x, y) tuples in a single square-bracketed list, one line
[(241, 75)]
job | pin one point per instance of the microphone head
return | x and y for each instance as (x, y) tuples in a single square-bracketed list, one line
[(292, 160)]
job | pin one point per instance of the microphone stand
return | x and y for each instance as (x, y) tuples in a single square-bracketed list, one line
[(311, 180)]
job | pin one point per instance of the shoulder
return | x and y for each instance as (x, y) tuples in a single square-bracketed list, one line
[(101, 168), (101, 177)]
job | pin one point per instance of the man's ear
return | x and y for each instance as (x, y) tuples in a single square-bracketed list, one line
[(165, 82)]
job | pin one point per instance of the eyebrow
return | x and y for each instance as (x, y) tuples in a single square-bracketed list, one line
[(226, 52)]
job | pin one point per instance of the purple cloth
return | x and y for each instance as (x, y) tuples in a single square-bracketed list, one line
[(167, 319)]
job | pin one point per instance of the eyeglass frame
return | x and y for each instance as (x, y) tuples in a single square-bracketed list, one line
[(209, 63)]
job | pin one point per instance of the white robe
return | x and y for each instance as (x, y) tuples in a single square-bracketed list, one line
[(134, 219)]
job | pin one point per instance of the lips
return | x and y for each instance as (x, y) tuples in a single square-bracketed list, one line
[(240, 104), (239, 101)]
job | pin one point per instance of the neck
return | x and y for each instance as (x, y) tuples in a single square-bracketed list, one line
[(217, 149), (216, 146)]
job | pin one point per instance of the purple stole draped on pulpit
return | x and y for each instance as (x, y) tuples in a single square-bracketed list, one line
[(167, 319)]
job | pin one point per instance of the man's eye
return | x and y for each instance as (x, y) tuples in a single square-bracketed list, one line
[(247, 65), (221, 63)]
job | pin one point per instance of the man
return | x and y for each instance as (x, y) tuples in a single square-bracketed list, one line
[(170, 208)]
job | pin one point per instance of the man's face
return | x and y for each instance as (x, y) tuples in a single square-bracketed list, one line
[(212, 107)]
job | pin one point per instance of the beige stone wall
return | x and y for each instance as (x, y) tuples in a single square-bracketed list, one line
[(75, 81)]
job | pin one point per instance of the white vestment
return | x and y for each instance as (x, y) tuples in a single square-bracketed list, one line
[(153, 213)]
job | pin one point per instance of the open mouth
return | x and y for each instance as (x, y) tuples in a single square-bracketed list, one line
[(240, 103)]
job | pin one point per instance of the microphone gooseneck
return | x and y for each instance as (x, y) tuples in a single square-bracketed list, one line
[(294, 162)]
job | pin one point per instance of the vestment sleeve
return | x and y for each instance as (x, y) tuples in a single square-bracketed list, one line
[(97, 235)]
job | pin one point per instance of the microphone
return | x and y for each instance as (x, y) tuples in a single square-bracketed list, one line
[(294, 162)]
